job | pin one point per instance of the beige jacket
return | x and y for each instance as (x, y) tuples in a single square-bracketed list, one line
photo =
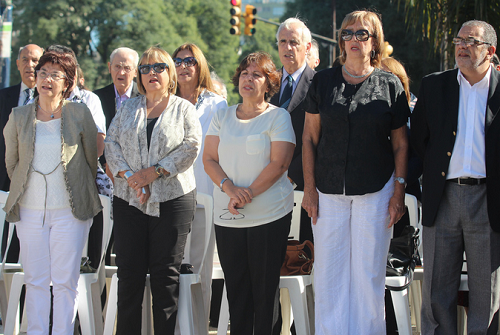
[(78, 156)]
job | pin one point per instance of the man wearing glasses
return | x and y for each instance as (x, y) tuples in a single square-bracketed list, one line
[(122, 66), (456, 131)]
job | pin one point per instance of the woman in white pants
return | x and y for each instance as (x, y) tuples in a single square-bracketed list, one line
[(355, 161), (51, 159)]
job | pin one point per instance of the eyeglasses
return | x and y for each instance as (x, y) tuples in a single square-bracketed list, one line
[(469, 41), (188, 61), (361, 35), (120, 68), (157, 67), (55, 76)]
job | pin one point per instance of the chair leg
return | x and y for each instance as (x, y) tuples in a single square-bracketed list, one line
[(298, 298), (109, 323), (224, 314), (11, 320), (286, 314), (416, 294), (85, 306), (147, 327), (201, 327), (402, 311)]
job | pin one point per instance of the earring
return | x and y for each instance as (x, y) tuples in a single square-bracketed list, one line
[(373, 54)]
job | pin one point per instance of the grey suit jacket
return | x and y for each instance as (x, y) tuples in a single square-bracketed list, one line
[(298, 117)]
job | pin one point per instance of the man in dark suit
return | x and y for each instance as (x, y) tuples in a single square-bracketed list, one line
[(10, 97), (294, 43), (122, 66), (456, 131)]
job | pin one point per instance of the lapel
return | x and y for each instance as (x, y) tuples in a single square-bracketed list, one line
[(302, 88), (135, 91), (493, 104)]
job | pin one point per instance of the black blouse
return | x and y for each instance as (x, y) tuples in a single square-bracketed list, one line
[(356, 124)]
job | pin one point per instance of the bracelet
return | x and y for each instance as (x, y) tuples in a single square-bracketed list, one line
[(128, 174), (222, 182)]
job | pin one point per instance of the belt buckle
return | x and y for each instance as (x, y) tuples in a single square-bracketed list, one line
[(460, 181)]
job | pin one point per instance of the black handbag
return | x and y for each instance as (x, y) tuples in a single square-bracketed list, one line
[(403, 256)]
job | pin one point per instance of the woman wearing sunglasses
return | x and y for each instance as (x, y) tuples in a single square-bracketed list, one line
[(51, 159), (195, 85), (355, 160), (151, 145), (248, 149)]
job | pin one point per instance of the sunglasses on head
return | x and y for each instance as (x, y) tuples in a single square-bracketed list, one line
[(188, 61), (157, 68), (362, 35)]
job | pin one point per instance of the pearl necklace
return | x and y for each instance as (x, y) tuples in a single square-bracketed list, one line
[(353, 76)]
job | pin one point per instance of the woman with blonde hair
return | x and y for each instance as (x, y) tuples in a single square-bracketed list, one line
[(150, 149), (355, 159), (195, 85)]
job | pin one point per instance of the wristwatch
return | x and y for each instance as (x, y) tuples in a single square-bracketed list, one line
[(400, 180), (160, 171)]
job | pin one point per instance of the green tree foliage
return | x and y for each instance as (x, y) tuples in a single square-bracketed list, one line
[(409, 46), (94, 28)]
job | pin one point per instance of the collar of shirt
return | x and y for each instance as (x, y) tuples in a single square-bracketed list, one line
[(485, 82), (296, 76), (75, 95), (122, 98), (22, 94)]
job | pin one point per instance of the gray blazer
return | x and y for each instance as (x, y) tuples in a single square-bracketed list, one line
[(175, 144), (78, 157)]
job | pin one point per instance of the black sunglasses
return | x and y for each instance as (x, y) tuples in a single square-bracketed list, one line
[(188, 61), (157, 67), (362, 35)]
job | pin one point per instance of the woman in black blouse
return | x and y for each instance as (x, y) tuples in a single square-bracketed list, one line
[(355, 160)]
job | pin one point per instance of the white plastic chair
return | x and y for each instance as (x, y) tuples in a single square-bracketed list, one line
[(400, 299), (11, 267), (190, 292), (89, 293)]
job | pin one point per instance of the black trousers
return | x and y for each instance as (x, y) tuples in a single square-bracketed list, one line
[(251, 259), (154, 245)]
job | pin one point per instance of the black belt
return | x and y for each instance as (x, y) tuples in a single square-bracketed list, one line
[(468, 181)]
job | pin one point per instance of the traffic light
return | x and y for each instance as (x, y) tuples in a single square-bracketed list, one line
[(235, 17), (250, 21)]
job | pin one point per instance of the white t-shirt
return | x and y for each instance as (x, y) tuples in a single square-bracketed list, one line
[(244, 151)]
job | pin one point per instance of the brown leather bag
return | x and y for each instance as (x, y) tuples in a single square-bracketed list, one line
[(297, 260)]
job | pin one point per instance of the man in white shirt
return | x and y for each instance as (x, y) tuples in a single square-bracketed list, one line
[(10, 97), (456, 132)]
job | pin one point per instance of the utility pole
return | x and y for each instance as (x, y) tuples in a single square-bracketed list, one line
[(333, 49), (5, 43)]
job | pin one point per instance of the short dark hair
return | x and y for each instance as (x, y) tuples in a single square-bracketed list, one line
[(67, 63), (265, 63), (495, 60)]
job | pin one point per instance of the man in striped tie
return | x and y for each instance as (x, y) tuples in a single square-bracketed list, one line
[(10, 97)]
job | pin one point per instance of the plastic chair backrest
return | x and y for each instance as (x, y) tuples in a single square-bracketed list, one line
[(297, 207), (207, 202), (412, 204)]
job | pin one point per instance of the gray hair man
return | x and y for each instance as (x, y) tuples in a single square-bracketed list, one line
[(456, 131), (313, 55)]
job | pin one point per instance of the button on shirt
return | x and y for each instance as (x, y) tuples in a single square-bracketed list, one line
[(122, 98), (296, 77), (468, 157)]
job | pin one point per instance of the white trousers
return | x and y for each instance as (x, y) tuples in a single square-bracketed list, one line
[(351, 241), (51, 252), (194, 254)]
